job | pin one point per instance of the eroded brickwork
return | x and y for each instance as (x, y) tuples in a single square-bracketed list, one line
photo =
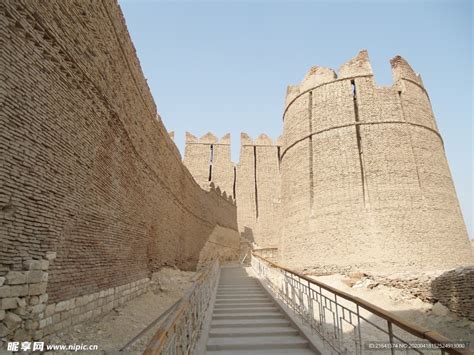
[(455, 290), (254, 182), (365, 181), (87, 169)]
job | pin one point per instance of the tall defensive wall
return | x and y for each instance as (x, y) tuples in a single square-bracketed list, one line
[(258, 189), (93, 191), (254, 182), (209, 160), (365, 180)]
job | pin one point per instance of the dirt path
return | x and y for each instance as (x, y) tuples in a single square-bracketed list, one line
[(116, 328)]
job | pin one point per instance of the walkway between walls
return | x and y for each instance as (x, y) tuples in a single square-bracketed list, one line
[(246, 320)]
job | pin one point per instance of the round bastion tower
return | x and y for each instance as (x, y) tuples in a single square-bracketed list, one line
[(364, 177)]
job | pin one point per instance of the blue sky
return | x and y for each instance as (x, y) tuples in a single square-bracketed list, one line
[(223, 66)]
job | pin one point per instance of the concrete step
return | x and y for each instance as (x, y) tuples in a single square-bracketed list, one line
[(243, 310), (243, 298), (247, 292), (225, 287), (225, 297), (255, 343), (255, 315), (254, 332), (240, 295), (250, 323), (239, 292), (242, 301), (244, 305), (302, 351), (221, 301)]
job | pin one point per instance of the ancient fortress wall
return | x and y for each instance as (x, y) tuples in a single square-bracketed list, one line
[(89, 176), (365, 181), (267, 191), (254, 181), (209, 160)]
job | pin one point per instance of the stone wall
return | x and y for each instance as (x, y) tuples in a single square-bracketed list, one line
[(365, 180), (87, 170), (455, 290), (266, 184), (254, 181), (209, 160)]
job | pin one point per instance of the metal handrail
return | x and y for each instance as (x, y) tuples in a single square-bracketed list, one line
[(301, 296), (159, 319), (179, 332)]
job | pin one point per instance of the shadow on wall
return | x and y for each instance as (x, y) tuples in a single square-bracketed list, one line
[(247, 241), (223, 244), (247, 235), (455, 290)]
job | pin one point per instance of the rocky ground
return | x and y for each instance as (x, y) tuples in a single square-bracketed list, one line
[(402, 303), (115, 329)]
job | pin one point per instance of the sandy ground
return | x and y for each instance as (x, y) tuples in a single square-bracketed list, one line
[(112, 331), (402, 304)]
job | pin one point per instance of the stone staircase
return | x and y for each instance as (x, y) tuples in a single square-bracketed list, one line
[(246, 320)]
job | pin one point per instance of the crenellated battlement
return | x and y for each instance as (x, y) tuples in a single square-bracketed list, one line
[(262, 140), (209, 138), (216, 190), (253, 183), (402, 70), (357, 67), (355, 159)]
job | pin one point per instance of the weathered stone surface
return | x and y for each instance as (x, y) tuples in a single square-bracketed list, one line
[(37, 288), (31, 324), (36, 276), (455, 290), (3, 330), (32, 265), (21, 302), (44, 265), (43, 298), (38, 308), (18, 290), (34, 300), (12, 320), (62, 306), (49, 310), (8, 303), (16, 277), (5, 291), (22, 334), (2, 280), (51, 255), (439, 309)]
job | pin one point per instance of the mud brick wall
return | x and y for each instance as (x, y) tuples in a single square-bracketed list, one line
[(87, 169), (365, 180), (209, 161), (455, 290), (254, 182)]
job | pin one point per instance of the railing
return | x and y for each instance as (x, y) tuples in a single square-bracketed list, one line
[(267, 253), (179, 333), (348, 324)]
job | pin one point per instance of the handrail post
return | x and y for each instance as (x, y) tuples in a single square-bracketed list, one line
[(344, 302), (390, 337)]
